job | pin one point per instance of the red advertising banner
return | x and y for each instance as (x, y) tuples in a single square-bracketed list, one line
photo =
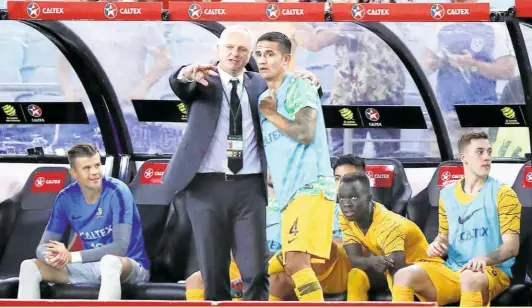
[(414, 12), (48, 181), (254, 11), (59, 10), (380, 176), (523, 8), (152, 173), (527, 177), (449, 175)]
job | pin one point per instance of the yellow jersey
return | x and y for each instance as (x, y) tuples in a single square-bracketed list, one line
[(389, 232)]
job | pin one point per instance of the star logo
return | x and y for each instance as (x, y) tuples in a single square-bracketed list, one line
[(446, 176), (358, 12), (35, 111), (369, 174), (529, 177), (148, 173), (372, 114), (40, 181), (273, 11), (110, 10), (33, 10), (194, 11), (437, 11)]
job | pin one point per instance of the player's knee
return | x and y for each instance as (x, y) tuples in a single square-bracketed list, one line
[(296, 261), (29, 266), (407, 276), (194, 281), (110, 263), (473, 281)]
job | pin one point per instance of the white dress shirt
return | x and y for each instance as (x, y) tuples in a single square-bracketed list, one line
[(215, 159)]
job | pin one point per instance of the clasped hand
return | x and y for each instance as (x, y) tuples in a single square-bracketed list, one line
[(56, 255), (381, 264)]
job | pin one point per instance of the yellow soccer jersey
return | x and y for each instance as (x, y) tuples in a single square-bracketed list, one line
[(508, 206), (389, 232)]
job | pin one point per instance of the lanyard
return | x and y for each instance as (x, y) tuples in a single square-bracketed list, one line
[(231, 109)]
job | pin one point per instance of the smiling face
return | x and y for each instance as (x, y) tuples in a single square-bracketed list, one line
[(87, 170)]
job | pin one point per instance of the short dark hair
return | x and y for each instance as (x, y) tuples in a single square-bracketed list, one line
[(285, 45), (465, 140), (80, 150), (350, 159), (356, 177)]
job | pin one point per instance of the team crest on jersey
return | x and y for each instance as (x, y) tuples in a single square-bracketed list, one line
[(477, 44), (99, 213)]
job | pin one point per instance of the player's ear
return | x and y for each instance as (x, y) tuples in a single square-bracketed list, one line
[(287, 59), (72, 172)]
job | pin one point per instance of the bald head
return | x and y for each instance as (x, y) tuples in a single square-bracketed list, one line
[(234, 49)]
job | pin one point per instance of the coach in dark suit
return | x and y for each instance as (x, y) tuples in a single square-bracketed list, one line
[(225, 196)]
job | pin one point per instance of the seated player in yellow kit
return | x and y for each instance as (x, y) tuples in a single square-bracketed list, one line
[(332, 274), (479, 225), (393, 240)]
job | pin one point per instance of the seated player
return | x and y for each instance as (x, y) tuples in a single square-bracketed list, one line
[(332, 275), (393, 240), (479, 224), (104, 214)]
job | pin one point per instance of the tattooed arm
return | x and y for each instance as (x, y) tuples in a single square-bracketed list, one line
[(508, 249), (302, 129)]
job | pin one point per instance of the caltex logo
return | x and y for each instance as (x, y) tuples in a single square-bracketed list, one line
[(35, 111), (148, 173), (273, 11), (194, 11), (358, 12), (33, 10), (110, 10), (372, 114), (40, 181), (437, 11)]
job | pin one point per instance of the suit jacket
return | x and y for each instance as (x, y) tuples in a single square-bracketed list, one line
[(203, 110)]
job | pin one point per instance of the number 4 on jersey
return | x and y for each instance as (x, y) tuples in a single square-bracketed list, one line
[(293, 229)]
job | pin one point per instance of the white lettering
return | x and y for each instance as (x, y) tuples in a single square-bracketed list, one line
[(53, 182), (378, 12), (297, 12), (159, 173), (382, 176), (37, 120), (458, 11), (92, 235), (130, 11), (457, 176), (375, 124), (53, 10), (214, 11)]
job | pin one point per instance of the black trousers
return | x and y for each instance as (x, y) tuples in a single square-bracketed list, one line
[(229, 215)]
